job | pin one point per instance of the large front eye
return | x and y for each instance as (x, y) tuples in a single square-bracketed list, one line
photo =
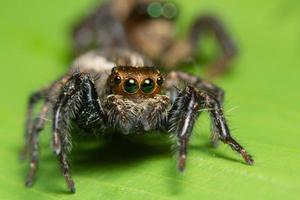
[(148, 86), (131, 86)]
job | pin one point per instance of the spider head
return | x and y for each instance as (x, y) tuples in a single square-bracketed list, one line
[(135, 82), (155, 9), (145, 9), (134, 103)]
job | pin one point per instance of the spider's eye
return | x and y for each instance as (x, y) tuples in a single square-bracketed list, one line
[(155, 9), (169, 11), (159, 81), (131, 86), (148, 86), (117, 80)]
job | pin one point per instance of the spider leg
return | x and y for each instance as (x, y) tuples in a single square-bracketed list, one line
[(218, 94), (182, 117), (212, 24), (184, 113), (177, 78), (78, 99), (33, 143), (33, 100), (222, 129)]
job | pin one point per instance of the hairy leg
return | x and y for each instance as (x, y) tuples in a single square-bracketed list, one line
[(178, 79), (183, 114), (33, 100), (216, 113), (78, 99), (33, 143), (182, 117)]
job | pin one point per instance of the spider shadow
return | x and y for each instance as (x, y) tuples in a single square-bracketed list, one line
[(211, 150), (117, 151)]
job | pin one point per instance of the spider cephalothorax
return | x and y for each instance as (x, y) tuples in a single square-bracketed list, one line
[(133, 102)]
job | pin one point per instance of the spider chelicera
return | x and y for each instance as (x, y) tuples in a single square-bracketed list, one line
[(115, 89)]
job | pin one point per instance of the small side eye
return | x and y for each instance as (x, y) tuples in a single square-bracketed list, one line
[(148, 86), (131, 86), (159, 81), (117, 80)]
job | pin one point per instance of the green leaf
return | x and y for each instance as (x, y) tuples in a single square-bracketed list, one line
[(262, 104)]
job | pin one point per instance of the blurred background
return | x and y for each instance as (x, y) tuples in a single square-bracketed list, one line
[(262, 104)]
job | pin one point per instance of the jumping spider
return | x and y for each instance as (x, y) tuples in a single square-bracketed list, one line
[(115, 89), (149, 27)]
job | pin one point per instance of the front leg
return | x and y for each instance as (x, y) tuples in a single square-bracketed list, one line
[(222, 129), (182, 117), (184, 113), (177, 79), (78, 99)]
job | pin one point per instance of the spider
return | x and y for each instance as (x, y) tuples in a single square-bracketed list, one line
[(114, 89), (148, 27)]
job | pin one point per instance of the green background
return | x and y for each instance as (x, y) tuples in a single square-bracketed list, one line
[(262, 104)]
